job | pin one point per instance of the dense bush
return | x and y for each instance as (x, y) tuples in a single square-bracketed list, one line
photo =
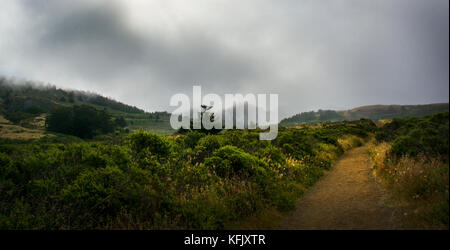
[(295, 143), (147, 181), (210, 143), (414, 136), (142, 143), (230, 161), (191, 139), (410, 156), (82, 121), (273, 155)]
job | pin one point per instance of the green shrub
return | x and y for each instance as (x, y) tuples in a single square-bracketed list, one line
[(191, 138), (296, 143), (143, 142), (274, 155), (229, 161), (423, 139), (6, 169), (100, 194), (204, 210), (210, 142), (206, 146)]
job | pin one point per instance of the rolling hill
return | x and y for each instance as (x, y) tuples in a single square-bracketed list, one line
[(22, 102), (373, 112), (26, 103)]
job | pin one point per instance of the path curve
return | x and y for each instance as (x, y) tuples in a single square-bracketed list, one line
[(347, 197)]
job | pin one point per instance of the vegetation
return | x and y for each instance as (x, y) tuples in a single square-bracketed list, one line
[(22, 101), (82, 121), (375, 113), (68, 161), (410, 156), (144, 180), (313, 117)]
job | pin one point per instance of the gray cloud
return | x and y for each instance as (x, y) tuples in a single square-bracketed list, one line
[(314, 54)]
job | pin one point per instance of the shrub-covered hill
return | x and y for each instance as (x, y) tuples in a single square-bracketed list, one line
[(147, 181), (373, 112), (413, 136), (410, 157), (22, 101)]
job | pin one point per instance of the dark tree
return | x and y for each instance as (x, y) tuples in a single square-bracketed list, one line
[(60, 120), (120, 122), (71, 97), (83, 121)]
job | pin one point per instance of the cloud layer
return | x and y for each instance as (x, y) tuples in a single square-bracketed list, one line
[(314, 54)]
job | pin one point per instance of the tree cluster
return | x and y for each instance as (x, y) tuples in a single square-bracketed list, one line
[(83, 121)]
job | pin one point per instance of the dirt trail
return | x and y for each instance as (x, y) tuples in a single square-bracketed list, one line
[(347, 197)]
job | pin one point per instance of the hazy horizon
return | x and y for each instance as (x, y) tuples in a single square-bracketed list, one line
[(316, 55), (21, 81)]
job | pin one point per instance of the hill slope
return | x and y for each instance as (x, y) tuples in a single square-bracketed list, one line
[(373, 112), (22, 101)]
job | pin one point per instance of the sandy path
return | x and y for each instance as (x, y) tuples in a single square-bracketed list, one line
[(347, 197)]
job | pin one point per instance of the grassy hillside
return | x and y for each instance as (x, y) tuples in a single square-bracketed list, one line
[(23, 102), (373, 112)]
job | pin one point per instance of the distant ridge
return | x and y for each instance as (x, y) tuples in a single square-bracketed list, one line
[(48, 96), (373, 112), (22, 101)]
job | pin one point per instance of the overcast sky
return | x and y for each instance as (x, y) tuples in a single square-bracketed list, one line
[(334, 54)]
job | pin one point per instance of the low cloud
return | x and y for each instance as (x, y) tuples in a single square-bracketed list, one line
[(314, 54)]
